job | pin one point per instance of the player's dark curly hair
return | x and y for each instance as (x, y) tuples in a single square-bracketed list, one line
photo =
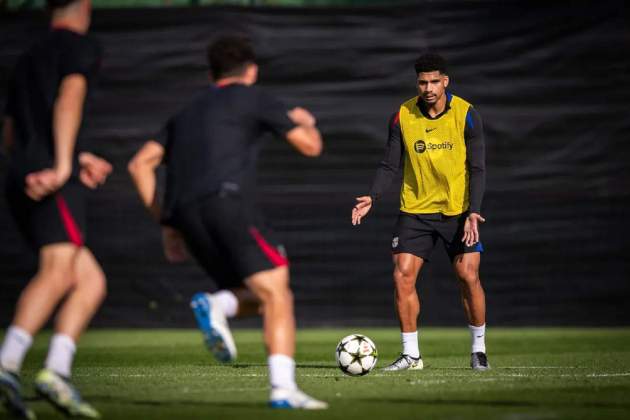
[(429, 62), (229, 55), (56, 4)]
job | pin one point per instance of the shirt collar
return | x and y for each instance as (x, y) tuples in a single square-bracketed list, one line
[(423, 109)]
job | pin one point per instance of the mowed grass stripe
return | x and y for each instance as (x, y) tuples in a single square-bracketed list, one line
[(537, 374)]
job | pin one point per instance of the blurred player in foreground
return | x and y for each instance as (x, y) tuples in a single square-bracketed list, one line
[(436, 139), (46, 193), (210, 149)]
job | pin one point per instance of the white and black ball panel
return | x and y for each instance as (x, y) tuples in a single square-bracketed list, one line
[(356, 355)]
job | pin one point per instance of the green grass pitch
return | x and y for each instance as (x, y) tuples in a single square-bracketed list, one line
[(547, 373)]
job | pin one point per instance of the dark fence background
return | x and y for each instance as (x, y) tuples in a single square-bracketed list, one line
[(549, 78)]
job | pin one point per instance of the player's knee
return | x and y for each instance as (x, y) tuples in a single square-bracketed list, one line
[(404, 273), (277, 293), (405, 282), (100, 287), (469, 277), (55, 265), (270, 285), (58, 277)]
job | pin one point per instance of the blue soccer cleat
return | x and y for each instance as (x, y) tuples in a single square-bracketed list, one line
[(11, 395), (294, 399), (213, 324)]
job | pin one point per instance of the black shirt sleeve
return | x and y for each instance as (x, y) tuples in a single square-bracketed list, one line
[(272, 114), (164, 137), (9, 109), (391, 164), (475, 159), (82, 56)]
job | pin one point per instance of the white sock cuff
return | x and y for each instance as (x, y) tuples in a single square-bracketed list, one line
[(478, 338), (281, 359), (21, 334), (409, 335), (228, 302), (60, 354), (479, 328), (282, 371), (410, 343), (64, 340), (16, 343)]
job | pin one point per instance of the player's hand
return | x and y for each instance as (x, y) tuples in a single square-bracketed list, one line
[(363, 206), (301, 116), (42, 183), (471, 229), (175, 249), (94, 170)]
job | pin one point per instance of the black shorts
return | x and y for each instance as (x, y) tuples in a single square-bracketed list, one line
[(417, 234), (58, 218), (228, 237)]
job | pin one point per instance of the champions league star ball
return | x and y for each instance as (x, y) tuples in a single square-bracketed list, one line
[(356, 355)]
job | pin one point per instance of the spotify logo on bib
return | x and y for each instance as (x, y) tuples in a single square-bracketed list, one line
[(420, 146)]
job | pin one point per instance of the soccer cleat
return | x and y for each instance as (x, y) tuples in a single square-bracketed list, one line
[(11, 395), (294, 399), (479, 361), (60, 392), (212, 323), (405, 362)]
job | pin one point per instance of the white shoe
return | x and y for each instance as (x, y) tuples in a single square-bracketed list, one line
[(60, 392), (405, 362), (214, 326), (294, 399)]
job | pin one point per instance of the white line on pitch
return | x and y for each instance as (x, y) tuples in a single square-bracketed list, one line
[(514, 367)]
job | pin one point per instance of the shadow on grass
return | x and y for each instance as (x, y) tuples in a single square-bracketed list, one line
[(299, 366), (175, 402), (495, 403)]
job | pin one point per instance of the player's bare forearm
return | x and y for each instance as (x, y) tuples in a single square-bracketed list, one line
[(144, 179), (306, 138), (67, 114), (142, 170)]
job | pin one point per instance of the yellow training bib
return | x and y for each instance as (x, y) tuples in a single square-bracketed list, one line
[(435, 176)]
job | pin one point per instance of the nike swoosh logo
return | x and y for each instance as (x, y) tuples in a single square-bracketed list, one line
[(479, 336), (428, 130)]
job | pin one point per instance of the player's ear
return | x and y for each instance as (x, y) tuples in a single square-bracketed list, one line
[(445, 80)]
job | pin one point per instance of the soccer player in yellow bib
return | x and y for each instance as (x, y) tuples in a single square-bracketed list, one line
[(436, 139)]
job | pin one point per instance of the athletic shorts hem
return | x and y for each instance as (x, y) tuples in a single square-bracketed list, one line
[(414, 253)]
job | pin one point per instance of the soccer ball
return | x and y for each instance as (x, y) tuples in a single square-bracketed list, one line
[(356, 355)]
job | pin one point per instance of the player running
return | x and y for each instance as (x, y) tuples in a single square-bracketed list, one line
[(210, 149), (436, 139), (46, 192)]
